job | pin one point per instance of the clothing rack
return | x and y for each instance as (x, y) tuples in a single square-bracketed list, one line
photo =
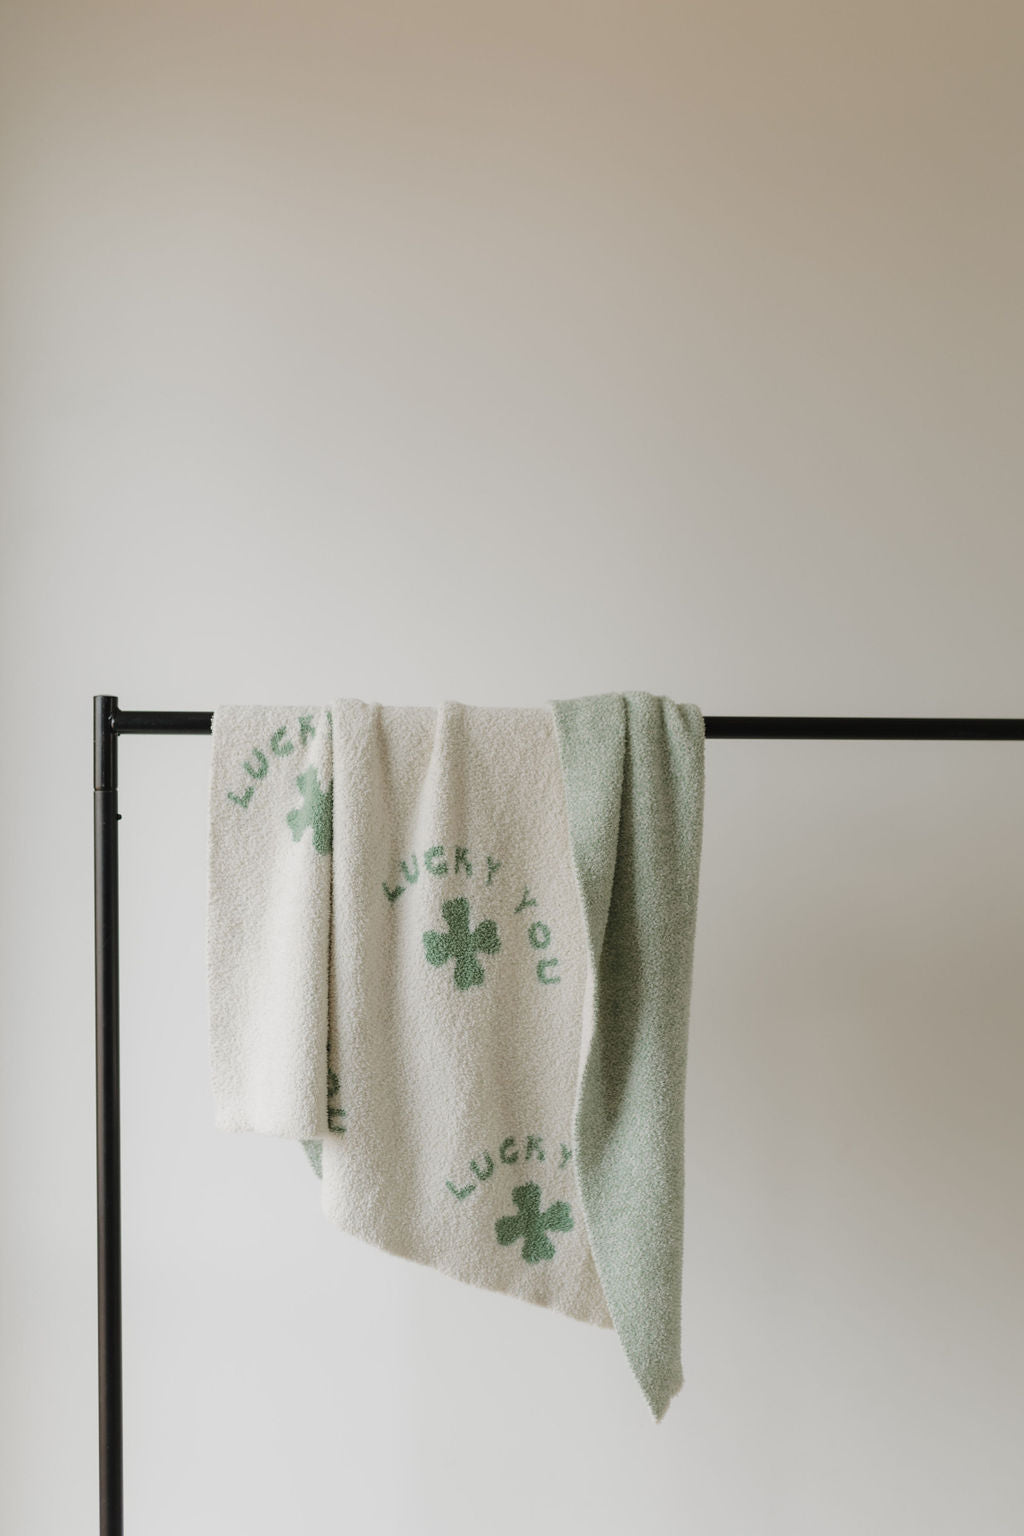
[(110, 722)]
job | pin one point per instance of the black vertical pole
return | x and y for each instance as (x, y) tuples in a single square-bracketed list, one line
[(108, 1115)]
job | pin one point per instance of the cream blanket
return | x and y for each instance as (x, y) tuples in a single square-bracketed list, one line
[(450, 950)]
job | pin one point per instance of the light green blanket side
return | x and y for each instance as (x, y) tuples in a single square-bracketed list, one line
[(633, 767)]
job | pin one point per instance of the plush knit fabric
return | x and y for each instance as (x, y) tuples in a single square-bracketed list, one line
[(450, 951), (634, 778), (458, 971), (269, 920)]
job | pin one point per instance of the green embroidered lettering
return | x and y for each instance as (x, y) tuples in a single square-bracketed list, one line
[(278, 745), (260, 771), (532, 1224), (534, 935), (527, 900), (549, 981), (430, 860), (485, 1173), (461, 858), (460, 1194), (504, 1153), (243, 800), (534, 1144), (306, 728), (392, 895), (461, 943), (412, 878), (493, 865), (566, 1154), (335, 1115)]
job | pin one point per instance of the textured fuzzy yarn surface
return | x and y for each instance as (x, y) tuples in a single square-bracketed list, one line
[(450, 950)]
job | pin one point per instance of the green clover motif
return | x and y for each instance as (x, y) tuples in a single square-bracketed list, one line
[(532, 1224), (460, 942), (316, 811)]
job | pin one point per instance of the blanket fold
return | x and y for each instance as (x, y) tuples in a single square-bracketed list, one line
[(634, 777), (450, 950), (269, 918)]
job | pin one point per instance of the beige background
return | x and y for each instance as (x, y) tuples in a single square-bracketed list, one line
[(500, 354)]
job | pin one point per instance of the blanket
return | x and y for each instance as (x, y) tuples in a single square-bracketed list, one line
[(450, 951)]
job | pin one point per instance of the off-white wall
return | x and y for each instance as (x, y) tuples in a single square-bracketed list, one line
[(500, 354)]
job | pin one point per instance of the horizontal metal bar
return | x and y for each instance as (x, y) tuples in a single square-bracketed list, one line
[(128, 722), (151, 722), (865, 728)]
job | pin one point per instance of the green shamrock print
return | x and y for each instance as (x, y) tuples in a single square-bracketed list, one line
[(532, 1224), (316, 811), (461, 943)]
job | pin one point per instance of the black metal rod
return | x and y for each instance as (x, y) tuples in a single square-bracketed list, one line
[(109, 722), (863, 728), (130, 722), (150, 722), (108, 1117)]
